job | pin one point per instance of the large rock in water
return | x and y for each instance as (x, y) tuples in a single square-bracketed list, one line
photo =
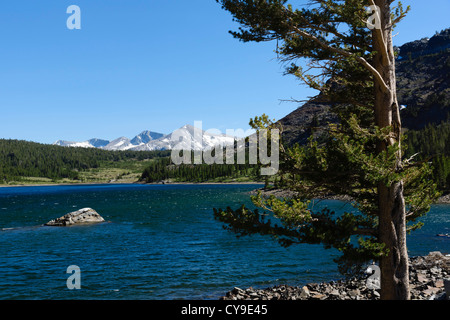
[(86, 215)]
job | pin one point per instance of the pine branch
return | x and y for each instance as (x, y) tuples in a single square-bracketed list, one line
[(342, 52)]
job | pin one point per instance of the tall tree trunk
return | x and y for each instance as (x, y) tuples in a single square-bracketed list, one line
[(392, 213)]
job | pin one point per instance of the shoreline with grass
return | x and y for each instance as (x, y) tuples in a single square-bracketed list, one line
[(444, 199), (124, 182)]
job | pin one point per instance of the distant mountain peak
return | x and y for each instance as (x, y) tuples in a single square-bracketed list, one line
[(145, 137), (122, 143), (62, 143), (438, 42), (97, 143), (189, 128), (148, 140)]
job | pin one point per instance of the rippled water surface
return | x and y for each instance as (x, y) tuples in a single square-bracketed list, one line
[(160, 242)]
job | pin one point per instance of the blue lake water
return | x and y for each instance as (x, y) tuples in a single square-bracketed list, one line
[(160, 242)]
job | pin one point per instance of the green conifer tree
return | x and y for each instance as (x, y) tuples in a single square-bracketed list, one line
[(352, 66)]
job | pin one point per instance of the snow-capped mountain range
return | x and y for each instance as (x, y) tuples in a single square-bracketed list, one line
[(184, 138)]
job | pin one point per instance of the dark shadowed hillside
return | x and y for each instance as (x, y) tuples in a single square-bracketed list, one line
[(423, 79), (423, 71)]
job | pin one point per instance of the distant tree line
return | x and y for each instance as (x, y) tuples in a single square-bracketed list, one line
[(29, 159), (163, 169)]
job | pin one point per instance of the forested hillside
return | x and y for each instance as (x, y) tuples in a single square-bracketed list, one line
[(22, 160), (19, 159)]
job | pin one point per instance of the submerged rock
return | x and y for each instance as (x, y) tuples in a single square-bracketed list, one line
[(86, 215)]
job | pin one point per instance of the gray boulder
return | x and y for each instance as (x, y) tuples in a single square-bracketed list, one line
[(82, 216)]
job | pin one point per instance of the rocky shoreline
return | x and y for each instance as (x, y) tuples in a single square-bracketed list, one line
[(280, 193), (283, 193), (445, 199), (429, 280)]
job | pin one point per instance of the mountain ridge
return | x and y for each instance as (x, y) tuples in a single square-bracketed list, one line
[(185, 138), (121, 143)]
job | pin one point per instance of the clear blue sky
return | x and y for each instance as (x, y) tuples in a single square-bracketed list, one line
[(145, 65)]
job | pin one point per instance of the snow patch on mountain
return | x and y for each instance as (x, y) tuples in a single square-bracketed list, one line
[(122, 143)]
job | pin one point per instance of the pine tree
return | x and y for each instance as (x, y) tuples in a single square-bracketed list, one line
[(353, 67)]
